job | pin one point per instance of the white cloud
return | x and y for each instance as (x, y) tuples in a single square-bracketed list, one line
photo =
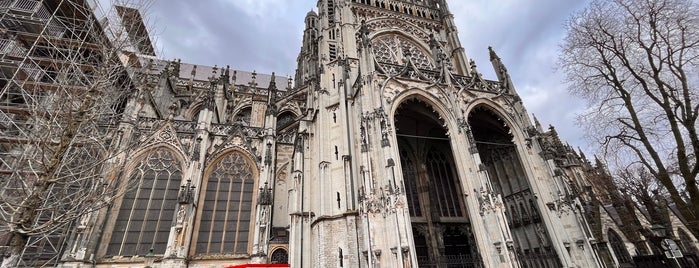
[(264, 9)]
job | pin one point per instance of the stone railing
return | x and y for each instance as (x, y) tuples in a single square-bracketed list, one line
[(286, 138), (450, 261), (433, 76), (227, 130), (413, 8)]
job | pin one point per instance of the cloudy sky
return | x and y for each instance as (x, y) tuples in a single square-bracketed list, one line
[(265, 35)]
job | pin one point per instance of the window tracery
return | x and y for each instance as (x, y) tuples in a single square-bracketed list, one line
[(226, 212), (439, 167), (244, 116), (280, 256), (441, 230), (145, 215), (397, 49), (618, 247)]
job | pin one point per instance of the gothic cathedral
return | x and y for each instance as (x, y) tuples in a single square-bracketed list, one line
[(407, 157), (387, 149)]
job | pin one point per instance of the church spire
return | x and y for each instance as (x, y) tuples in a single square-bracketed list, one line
[(501, 71)]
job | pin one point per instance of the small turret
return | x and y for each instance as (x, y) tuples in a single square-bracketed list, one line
[(306, 61), (272, 96), (311, 19)]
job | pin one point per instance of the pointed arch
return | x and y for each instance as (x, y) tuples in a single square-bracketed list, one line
[(243, 116), (496, 109), (193, 111), (618, 247), (146, 210), (139, 154), (226, 211), (490, 134), (445, 116), (381, 25), (433, 187), (285, 119), (396, 47)]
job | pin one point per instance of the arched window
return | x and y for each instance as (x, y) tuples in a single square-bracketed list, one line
[(244, 116), (618, 247), (285, 119), (397, 49), (280, 255), (441, 230), (147, 210), (226, 212)]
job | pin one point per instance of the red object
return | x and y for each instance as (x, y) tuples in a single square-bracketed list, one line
[(259, 265)]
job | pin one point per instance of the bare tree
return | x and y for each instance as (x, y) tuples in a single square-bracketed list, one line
[(635, 61), (642, 186), (61, 100)]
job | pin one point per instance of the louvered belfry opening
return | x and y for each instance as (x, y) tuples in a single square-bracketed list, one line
[(441, 227)]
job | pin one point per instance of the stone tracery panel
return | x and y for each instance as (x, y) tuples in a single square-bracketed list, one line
[(144, 218), (397, 49), (224, 226)]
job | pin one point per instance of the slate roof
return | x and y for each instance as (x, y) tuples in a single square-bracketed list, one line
[(203, 73), (242, 77)]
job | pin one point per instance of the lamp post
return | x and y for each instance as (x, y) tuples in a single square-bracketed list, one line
[(668, 246)]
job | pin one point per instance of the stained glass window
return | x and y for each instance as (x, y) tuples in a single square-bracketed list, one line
[(444, 183), (148, 207), (411, 190), (618, 247), (224, 226), (280, 256)]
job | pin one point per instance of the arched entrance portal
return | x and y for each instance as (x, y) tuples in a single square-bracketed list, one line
[(508, 178), (440, 223)]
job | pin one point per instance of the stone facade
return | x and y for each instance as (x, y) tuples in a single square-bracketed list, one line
[(387, 149)]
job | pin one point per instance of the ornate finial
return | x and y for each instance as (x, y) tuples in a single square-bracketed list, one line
[(172, 108), (364, 34), (493, 55), (273, 82), (173, 68), (272, 96), (194, 71), (474, 69), (433, 41), (289, 83), (253, 82)]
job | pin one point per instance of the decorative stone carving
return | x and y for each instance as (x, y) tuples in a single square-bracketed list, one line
[(393, 23), (489, 202), (397, 49)]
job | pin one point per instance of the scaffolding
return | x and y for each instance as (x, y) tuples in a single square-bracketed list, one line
[(63, 86)]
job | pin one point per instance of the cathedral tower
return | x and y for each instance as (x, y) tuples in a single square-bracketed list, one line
[(407, 157), (388, 149)]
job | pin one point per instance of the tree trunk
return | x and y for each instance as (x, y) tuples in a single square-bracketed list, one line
[(14, 252)]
